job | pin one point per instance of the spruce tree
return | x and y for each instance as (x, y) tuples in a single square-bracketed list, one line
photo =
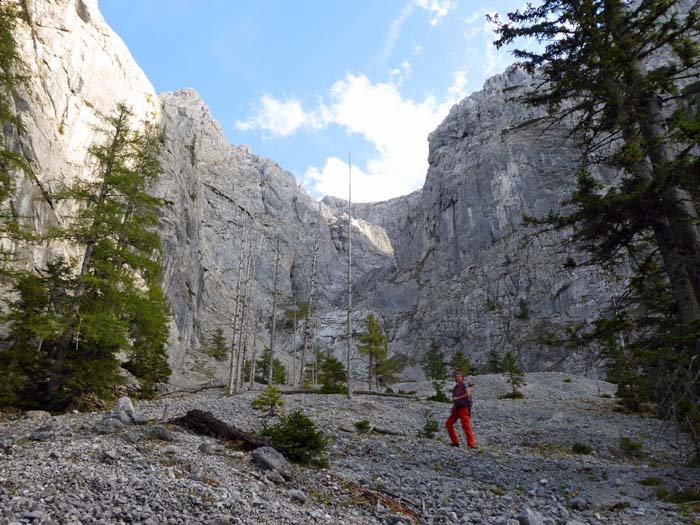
[(216, 346), (111, 304), (374, 344), (623, 77), (493, 363), (461, 363), (434, 364), (332, 375), (12, 78), (514, 376)]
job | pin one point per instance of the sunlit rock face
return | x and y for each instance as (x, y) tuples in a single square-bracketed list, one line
[(451, 263)]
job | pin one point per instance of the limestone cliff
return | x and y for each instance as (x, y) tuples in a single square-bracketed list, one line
[(451, 262)]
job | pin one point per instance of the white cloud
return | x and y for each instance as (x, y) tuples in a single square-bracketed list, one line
[(436, 8), (397, 127), (281, 118), (394, 33)]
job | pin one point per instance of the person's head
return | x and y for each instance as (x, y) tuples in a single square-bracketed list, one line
[(459, 376)]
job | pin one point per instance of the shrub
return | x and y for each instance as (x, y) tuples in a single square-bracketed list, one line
[(511, 395), (439, 394), (630, 447), (567, 380), (430, 426), (269, 399), (298, 439), (580, 448), (362, 426)]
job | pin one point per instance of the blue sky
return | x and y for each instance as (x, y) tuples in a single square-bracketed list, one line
[(301, 82)]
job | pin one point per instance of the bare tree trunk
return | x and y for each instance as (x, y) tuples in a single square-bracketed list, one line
[(309, 306), (251, 293), (254, 356), (349, 357), (231, 367), (274, 315), (680, 242), (244, 314)]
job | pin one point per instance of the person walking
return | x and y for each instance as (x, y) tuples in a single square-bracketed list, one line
[(461, 410)]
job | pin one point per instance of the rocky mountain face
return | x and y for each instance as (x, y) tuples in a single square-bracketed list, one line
[(451, 262)]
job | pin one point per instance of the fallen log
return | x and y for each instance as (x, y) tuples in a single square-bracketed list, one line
[(358, 392), (206, 424)]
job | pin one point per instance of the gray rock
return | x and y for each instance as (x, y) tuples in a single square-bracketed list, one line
[(268, 458), (528, 516), (108, 425), (297, 496), (578, 503), (160, 433), (274, 476), (37, 415)]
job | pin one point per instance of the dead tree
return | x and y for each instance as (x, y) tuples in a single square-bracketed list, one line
[(244, 312), (235, 321), (253, 356), (349, 362), (308, 313), (274, 315)]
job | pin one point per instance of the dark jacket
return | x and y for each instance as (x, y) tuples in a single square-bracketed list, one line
[(466, 402)]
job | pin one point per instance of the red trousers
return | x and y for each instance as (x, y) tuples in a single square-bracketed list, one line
[(463, 415)]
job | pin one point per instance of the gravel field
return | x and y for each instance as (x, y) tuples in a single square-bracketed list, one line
[(60, 469)]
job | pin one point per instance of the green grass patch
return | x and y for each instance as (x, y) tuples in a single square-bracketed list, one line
[(650, 482), (631, 448), (580, 448)]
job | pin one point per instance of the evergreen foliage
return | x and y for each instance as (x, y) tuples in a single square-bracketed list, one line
[(262, 364), (434, 364), (216, 346), (632, 112), (332, 375), (430, 426), (269, 399), (12, 77), (375, 345), (439, 395), (298, 439), (493, 363), (112, 304), (461, 363), (514, 376)]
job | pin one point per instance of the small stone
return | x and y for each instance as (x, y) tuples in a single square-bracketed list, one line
[(206, 448), (297, 496), (528, 516), (37, 415), (160, 433), (578, 503), (274, 476), (109, 456), (108, 425)]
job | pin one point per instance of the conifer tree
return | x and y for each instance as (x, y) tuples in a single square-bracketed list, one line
[(625, 75), (216, 345), (461, 363), (374, 344), (434, 364), (112, 303), (514, 376), (12, 77), (332, 375), (493, 363)]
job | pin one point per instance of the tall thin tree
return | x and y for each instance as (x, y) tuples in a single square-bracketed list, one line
[(274, 314), (234, 320), (307, 316), (349, 357)]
